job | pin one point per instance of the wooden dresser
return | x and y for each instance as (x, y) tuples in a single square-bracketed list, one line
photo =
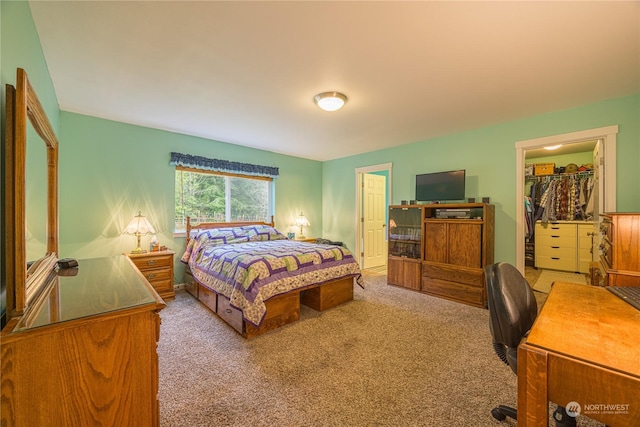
[(88, 355), (157, 268), (620, 249)]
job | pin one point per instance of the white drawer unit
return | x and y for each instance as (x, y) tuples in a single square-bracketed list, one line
[(563, 246)]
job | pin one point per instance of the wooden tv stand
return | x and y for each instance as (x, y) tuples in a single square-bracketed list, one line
[(454, 243)]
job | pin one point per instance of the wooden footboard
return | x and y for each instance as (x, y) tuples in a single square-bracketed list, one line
[(281, 310)]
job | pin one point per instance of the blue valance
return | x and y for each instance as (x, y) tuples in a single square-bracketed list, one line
[(199, 162)]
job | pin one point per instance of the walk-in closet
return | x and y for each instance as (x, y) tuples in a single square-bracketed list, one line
[(561, 208)]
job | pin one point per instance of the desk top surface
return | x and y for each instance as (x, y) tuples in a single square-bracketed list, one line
[(589, 323)]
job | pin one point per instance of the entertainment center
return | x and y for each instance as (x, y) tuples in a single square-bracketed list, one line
[(441, 249)]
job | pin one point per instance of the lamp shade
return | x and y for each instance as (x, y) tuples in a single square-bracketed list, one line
[(302, 221), (330, 101), (139, 225)]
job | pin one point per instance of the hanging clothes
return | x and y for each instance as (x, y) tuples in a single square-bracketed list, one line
[(562, 198), (528, 216)]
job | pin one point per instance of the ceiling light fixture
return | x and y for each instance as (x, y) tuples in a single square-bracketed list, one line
[(553, 147), (330, 101)]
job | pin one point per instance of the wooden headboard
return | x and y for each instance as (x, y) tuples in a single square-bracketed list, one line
[(208, 225)]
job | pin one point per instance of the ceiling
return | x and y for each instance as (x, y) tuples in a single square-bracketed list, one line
[(575, 147), (246, 72)]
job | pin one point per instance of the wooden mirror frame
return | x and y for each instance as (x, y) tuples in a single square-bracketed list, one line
[(22, 104)]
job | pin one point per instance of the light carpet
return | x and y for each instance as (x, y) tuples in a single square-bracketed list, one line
[(391, 357), (547, 277)]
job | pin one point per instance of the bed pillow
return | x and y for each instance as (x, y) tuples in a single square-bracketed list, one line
[(230, 235), (260, 233)]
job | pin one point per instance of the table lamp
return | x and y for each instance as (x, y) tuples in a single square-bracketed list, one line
[(302, 221), (139, 226)]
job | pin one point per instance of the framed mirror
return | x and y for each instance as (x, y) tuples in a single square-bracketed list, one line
[(23, 108)]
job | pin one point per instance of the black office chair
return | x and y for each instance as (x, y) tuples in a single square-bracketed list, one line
[(512, 310)]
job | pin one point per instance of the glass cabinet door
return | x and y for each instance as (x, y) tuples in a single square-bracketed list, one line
[(405, 232)]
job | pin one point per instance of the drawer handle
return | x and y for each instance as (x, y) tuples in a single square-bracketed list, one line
[(228, 311), (555, 236), (555, 258), (555, 247), (151, 276), (152, 262)]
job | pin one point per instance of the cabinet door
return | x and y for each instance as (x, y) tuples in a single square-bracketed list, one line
[(405, 232), (465, 244), (395, 271), (435, 242), (412, 274)]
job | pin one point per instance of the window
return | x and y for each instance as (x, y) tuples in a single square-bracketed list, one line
[(220, 197)]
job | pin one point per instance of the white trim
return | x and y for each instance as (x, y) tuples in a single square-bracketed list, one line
[(374, 168), (608, 136), (359, 172), (568, 138)]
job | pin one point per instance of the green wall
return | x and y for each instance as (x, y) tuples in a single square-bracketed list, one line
[(489, 157), (110, 170), (20, 47)]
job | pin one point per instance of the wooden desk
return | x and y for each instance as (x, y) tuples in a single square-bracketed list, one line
[(584, 347)]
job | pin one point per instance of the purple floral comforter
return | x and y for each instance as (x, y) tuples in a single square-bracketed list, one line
[(251, 264)]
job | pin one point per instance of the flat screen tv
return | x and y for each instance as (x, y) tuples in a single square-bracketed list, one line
[(440, 186)]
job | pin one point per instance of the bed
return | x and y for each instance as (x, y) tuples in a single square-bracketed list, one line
[(255, 279)]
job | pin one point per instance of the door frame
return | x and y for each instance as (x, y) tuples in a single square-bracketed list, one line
[(359, 195), (608, 136)]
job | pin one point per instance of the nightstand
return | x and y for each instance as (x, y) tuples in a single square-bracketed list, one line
[(306, 239), (157, 268)]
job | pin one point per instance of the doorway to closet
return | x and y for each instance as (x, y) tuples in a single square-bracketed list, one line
[(373, 189), (599, 145)]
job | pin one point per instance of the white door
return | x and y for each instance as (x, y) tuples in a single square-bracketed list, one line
[(374, 220)]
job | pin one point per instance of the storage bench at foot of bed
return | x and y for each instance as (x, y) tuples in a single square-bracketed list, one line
[(328, 295), (281, 309)]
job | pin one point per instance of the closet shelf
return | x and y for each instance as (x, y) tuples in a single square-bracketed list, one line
[(559, 175)]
